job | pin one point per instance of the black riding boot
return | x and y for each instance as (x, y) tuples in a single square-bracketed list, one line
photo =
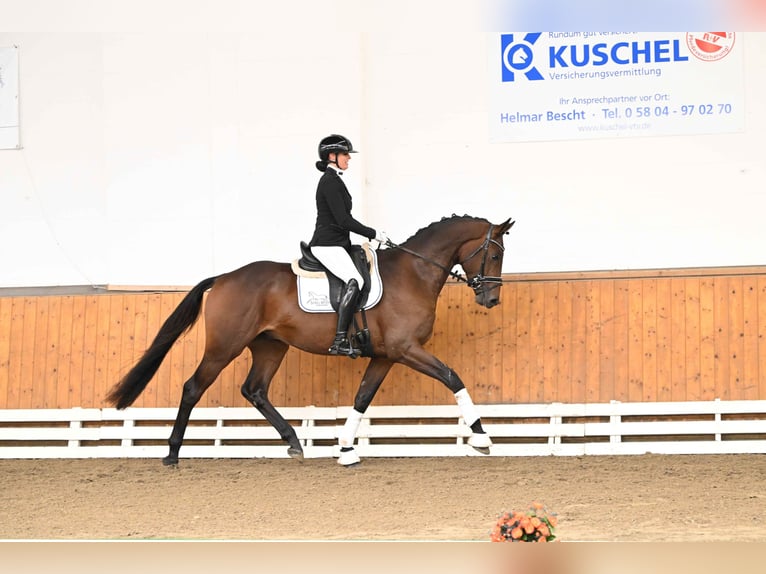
[(346, 310)]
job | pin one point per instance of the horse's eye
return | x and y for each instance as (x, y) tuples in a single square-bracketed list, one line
[(495, 257)]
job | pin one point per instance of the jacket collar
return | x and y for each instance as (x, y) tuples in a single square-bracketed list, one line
[(335, 169)]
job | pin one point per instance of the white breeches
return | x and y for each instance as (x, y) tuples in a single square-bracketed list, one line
[(338, 261)]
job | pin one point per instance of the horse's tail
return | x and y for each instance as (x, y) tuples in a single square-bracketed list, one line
[(181, 319)]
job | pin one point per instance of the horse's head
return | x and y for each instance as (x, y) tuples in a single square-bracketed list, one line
[(482, 261)]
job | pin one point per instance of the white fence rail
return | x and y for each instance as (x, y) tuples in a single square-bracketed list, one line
[(705, 427)]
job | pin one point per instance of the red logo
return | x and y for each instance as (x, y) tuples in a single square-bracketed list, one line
[(710, 46)]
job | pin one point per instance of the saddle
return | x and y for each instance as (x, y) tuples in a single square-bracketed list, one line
[(319, 291)]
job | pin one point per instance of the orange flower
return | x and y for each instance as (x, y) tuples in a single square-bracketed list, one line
[(531, 525)]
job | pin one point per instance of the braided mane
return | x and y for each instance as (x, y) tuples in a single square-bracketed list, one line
[(453, 217)]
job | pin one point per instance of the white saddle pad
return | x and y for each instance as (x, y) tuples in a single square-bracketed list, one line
[(314, 289)]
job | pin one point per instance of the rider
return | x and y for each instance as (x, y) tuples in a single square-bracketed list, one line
[(331, 241)]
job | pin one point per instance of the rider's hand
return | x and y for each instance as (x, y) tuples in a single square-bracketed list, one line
[(381, 237)]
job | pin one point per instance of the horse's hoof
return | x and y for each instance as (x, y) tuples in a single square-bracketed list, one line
[(482, 449), (296, 453), (348, 458), (479, 441), (170, 461)]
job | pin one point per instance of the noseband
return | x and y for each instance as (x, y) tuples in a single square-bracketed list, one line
[(477, 281)]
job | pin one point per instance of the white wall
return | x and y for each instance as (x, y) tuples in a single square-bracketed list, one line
[(162, 150)]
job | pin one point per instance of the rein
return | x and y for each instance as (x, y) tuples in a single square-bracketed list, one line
[(477, 281)]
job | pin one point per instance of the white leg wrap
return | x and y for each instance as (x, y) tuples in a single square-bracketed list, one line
[(348, 458), (479, 440), (348, 432), (467, 408)]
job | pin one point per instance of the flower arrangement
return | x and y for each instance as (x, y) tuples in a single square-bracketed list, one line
[(536, 524)]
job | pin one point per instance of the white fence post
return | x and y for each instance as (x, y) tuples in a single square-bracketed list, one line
[(614, 420), (718, 419), (127, 424)]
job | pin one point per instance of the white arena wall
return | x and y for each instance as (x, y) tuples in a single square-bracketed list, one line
[(165, 143)]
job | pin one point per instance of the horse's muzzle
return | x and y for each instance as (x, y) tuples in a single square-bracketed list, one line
[(487, 296), (487, 300)]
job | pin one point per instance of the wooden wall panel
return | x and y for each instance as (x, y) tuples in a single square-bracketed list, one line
[(563, 341), (509, 346), (6, 306), (750, 335), (593, 343), (606, 327), (523, 344), (621, 342), (27, 381), (668, 335), (761, 350), (579, 350), (707, 337)]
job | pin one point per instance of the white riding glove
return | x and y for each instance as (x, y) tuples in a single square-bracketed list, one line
[(381, 237)]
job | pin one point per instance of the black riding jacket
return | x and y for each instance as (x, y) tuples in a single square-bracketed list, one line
[(334, 221)]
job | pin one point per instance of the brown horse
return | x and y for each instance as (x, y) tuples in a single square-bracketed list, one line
[(256, 307)]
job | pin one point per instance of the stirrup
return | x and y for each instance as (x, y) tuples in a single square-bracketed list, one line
[(344, 347)]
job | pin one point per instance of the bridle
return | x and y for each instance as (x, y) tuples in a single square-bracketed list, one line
[(477, 281)]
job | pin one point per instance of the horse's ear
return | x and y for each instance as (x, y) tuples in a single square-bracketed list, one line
[(506, 225)]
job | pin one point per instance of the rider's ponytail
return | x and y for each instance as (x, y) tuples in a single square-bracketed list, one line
[(321, 165)]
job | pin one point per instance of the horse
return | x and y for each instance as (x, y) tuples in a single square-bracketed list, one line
[(256, 307)]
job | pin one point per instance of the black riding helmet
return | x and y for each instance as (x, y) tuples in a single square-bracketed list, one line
[(332, 144)]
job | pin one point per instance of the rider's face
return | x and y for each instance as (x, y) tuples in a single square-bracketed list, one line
[(342, 159)]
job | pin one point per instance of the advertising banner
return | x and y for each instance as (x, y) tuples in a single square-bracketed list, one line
[(584, 85)]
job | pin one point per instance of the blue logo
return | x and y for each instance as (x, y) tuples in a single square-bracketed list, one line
[(610, 48), (517, 57)]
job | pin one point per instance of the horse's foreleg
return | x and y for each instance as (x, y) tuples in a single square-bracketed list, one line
[(267, 356), (193, 390), (373, 377), (424, 362)]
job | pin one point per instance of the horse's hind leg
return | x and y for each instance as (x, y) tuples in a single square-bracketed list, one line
[(373, 377), (193, 390), (267, 356)]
